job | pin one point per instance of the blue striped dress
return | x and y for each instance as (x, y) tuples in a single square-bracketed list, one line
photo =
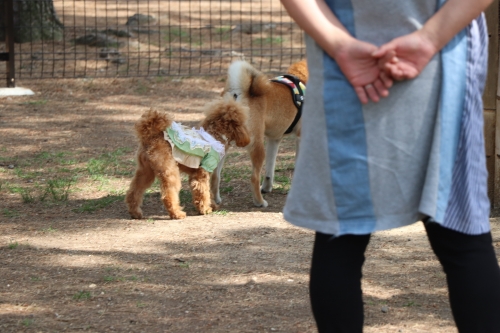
[(419, 152)]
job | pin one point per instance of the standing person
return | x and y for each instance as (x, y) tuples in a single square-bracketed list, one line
[(417, 154)]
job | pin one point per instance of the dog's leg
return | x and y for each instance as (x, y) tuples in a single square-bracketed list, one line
[(170, 185), (257, 156), (215, 181), (143, 178), (271, 153), (199, 182)]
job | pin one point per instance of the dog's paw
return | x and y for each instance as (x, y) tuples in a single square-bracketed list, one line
[(205, 211), (136, 215), (263, 190), (262, 204), (218, 200), (178, 215), (266, 187), (214, 206)]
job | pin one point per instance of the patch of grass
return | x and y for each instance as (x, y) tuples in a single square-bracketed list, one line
[(240, 173), (227, 189), (109, 164), (82, 295), (110, 278), (185, 196), (220, 212), (113, 278), (24, 174), (58, 189), (141, 88), (13, 245), (27, 322), (91, 206), (222, 30), (13, 189), (27, 195), (35, 278), (64, 158), (282, 183), (410, 304), (286, 166), (39, 102), (176, 34), (10, 213), (184, 264), (49, 230), (140, 305), (268, 40)]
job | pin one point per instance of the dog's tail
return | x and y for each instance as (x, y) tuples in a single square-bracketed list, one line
[(299, 69), (244, 81), (151, 125)]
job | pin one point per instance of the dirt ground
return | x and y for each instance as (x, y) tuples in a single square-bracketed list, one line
[(72, 260)]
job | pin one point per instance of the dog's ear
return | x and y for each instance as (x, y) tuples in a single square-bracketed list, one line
[(241, 136), (228, 118)]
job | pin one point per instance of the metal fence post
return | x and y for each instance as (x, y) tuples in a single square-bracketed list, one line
[(9, 42)]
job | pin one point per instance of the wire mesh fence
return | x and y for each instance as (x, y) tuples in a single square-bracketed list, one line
[(123, 38)]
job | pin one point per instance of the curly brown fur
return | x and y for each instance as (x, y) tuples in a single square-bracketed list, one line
[(227, 118), (272, 111), (154, 159)]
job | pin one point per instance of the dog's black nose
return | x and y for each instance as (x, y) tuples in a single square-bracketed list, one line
[(235, 96)]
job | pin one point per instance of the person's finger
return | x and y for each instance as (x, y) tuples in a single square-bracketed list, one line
[(382, 91), (394, 71), (388, 58), (382, 50), (372, 92), (386, 80), (360, 91)]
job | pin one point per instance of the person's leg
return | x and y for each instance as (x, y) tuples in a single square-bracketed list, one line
[(335, 284), (473, 277)]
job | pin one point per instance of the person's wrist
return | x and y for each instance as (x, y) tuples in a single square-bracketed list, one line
[(431, 39), (339, 46)]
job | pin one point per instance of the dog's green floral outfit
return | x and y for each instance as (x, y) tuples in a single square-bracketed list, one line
[(194, 148)]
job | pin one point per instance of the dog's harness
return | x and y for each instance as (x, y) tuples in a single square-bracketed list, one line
[(298, 91)]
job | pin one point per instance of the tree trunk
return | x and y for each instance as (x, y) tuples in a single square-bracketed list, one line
[(33, 20)]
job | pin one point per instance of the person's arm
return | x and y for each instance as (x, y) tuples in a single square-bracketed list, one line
[(450, 19), (406, 56), (353, 56)]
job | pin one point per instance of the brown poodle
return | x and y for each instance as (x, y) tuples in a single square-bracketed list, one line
[(224, 120)]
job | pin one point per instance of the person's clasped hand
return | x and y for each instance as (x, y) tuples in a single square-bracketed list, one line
[(372, 70)]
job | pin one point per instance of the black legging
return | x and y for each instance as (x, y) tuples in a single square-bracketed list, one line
[(470, 264)]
